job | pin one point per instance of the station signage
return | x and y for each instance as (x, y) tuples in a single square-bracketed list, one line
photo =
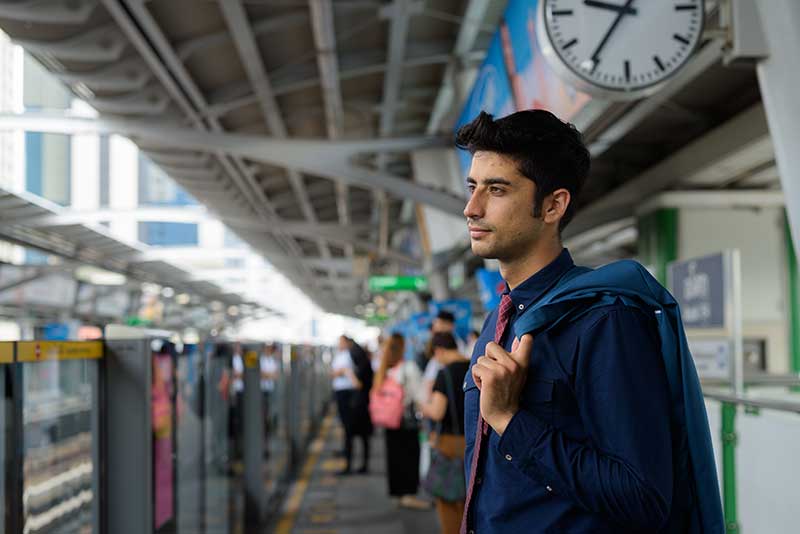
[(36, 351), (381, 284), (699, 287), (708, 291)]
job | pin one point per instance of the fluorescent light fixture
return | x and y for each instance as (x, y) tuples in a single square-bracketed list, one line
[(99, 277)]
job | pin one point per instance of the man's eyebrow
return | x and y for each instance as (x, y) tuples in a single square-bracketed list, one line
[(489, 181)]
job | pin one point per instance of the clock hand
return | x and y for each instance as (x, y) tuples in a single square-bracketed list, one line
[(596, 55), (611, 7)]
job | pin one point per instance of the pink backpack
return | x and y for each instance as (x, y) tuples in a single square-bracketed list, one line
[(386, 404)]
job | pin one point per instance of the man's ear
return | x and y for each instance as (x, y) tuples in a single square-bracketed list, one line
[(555, 206)]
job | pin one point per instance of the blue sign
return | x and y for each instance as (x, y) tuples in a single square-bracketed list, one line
[(461, 309), (698, 286), (490, 286), (56, 332)]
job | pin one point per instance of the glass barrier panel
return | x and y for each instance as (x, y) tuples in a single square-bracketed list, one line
[(60, 420), (191, 468), (6, 357), (216, 412)]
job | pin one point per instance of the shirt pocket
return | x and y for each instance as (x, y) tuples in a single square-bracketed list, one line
[(537, 398)]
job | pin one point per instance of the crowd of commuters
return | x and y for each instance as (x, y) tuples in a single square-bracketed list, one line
[(424, 402)]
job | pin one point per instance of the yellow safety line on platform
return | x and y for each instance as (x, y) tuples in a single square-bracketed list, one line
[(6, 352), (299, 488), (35, 351)]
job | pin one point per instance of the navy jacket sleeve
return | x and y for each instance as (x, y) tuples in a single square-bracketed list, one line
[(625, 471)]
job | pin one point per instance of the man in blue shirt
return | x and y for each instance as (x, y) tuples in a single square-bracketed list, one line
[(569, 432)]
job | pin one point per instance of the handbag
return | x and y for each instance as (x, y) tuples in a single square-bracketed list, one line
[(445, 479), (386, 404)]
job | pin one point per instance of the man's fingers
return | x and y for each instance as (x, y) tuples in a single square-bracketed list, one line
[(497, 354), (522, 354)]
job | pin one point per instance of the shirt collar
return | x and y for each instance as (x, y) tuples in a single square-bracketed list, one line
[(537, 285)]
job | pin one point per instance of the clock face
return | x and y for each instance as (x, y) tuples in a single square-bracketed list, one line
[(619, 47)]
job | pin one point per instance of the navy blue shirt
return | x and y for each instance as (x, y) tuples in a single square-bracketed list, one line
[(590, 449)]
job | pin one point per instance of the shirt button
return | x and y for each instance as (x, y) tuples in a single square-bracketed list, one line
[(508, 457), (548, 488), (471, 532), (478, 480), (521, 306)]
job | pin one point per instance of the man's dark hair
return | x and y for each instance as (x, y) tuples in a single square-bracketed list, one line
[(444, 340), (445, 315), (547, 150)]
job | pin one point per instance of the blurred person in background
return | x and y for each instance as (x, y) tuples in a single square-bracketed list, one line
[(361, 421), (344, 387), (402, 444), (444, 322), (270, 369), (237, 408), (352, 380), (446, 409)]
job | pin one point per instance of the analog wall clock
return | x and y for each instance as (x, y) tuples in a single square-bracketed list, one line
[(619, 49)]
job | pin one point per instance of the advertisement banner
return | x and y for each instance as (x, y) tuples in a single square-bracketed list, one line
[(490, 286)]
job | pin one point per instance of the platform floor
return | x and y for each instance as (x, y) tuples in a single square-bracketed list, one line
[(322, 503)]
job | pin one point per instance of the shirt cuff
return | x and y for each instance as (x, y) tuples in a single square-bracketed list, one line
[(516, 444)]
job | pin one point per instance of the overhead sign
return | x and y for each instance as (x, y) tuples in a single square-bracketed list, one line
[(36, 351), (380, 284), (6, 352), (699, 287)]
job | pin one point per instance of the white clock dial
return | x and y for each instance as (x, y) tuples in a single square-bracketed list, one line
[(619, 47)]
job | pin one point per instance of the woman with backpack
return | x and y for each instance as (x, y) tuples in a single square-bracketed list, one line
[(402, 443)]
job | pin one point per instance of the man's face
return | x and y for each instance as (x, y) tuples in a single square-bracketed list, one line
[(500, 208)]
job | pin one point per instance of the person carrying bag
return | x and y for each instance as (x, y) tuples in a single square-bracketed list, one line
[(445, 479)]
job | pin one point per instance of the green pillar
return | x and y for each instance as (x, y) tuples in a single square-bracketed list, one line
[(794, 299), (658, 240), (729, 467)]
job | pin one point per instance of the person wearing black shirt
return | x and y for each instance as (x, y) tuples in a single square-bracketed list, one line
[(446, 408)]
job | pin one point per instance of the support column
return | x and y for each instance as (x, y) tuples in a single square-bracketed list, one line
[(729, 467), (779, 78), (794, 301)]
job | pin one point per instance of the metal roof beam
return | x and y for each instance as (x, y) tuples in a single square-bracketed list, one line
[(242, 33), (333, 159), (352, 65), (168, 66), (272, 24), (469, 30), (322, 19)]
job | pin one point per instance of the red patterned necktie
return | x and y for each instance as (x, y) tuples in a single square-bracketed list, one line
[(503, 314)]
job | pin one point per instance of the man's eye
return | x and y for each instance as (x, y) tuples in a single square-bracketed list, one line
[(494, 189), (471, 188)]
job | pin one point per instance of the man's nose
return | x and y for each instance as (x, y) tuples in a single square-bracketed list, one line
[(474, 207)]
